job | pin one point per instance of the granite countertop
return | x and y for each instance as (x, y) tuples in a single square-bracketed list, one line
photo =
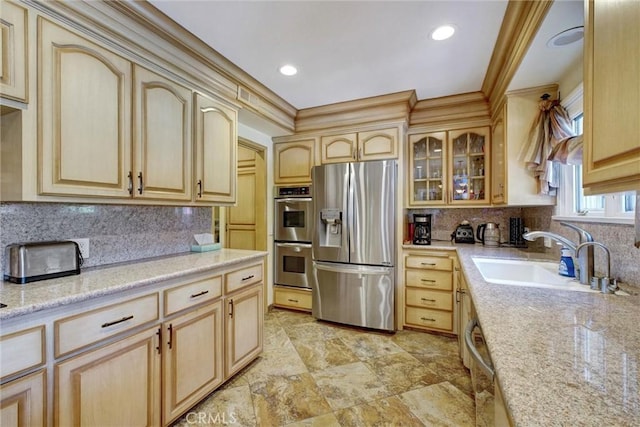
[(101, 281), (561, 358)]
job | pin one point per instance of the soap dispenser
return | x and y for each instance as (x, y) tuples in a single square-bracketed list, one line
[(566, 267)]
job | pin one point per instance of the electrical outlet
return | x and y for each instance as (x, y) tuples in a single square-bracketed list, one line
[(83, 244)]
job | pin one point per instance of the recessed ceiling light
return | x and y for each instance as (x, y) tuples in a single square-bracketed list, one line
[(443, 32), (566, 37), (288, 70)]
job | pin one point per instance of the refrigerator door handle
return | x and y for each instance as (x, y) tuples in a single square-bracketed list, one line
[(352, 269)]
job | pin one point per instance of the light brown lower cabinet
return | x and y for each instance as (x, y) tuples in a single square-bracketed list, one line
[(139, 360), (244, 320), (22, 401), (288, 297), (192, 358), (118, 384)]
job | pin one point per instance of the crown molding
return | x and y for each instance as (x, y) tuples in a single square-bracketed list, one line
[(520, 24)]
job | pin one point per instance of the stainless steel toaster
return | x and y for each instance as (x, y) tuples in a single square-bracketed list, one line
[(29, 262)]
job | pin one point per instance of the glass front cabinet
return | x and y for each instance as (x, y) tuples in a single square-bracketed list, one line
[(429, 167), (449, 167)]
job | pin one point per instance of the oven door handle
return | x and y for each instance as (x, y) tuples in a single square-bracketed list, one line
[(294, 245), (292, 200), (468, 340)]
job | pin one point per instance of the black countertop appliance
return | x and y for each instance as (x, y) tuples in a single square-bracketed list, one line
[(422, 229)]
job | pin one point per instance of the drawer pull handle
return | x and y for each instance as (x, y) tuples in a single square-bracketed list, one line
[(427, 299), (248, 277), (292, 300), (432, 264), (199, 294), (428, 280), (115, 322), (428, 319)]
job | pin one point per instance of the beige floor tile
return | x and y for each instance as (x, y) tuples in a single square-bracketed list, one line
[(441, 405), (231, 406), (368, 345), (384, 412), (283, 400), (318, 355), (280, 361), (313, 331), (326, 420), (426, 343), (401, 372), (349, 385)]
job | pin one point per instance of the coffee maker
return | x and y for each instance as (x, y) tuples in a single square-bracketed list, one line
[(422, 229)]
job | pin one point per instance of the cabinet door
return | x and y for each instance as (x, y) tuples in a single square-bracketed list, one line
[(378, 144), (244, 323), (338, 148), (192, 363), (499, 160), (242, 219), (293, 161), (84, 138), (13, 51), (428, 167), (116, 385), (612, 96), (23, 401), (162, 144), (216, 143), (468, 177)]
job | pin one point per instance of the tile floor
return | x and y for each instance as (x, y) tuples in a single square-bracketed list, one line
[(315, 373)]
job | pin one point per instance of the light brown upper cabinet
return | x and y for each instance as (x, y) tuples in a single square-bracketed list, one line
[(511, 182), (162, 144), (360, 146), (468, 166), (293, 161), (216, 151), (449, 167), (427, 168), (84, 141), (86, 125), (13, 51), (611, 97)]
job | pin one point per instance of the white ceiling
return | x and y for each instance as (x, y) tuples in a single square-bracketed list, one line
[(348, 50)]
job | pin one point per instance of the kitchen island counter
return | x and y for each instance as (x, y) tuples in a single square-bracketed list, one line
[(561, 358), (109, 280)]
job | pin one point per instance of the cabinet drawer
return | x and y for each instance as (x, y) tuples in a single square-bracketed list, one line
[(22, 351), (87, 328), (429, 263), (429, 279), (427, 318), (429, 299), (185, 296), (292, 298), (240, 278)]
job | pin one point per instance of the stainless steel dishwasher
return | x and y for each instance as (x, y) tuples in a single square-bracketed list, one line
[(490, 409)]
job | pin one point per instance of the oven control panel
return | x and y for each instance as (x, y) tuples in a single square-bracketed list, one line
[(304, 191)]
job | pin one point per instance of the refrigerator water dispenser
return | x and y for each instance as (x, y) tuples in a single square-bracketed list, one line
[(331, 233)]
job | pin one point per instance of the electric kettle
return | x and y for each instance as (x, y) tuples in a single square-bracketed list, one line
[(489, 234)]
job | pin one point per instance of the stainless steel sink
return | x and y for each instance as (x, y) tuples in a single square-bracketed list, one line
[(538, 274)]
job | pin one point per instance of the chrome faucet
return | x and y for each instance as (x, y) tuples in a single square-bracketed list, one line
[(604, 284), (585, 259)]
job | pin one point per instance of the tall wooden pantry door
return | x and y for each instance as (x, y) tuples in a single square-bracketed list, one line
[(246, 223)]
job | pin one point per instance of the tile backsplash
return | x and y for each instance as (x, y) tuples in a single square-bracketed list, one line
[(619, 238), (117, 233), (120, 233)]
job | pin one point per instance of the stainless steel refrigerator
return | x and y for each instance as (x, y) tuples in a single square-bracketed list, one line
[(354, 243)]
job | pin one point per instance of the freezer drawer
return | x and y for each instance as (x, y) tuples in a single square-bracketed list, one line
[(354, 295)]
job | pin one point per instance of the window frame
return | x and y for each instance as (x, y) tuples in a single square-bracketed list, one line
[(565, 209)]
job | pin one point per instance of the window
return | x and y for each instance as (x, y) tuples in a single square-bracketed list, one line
[(572, 203)]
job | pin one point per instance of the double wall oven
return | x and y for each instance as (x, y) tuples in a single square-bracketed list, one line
[(292, 236)]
